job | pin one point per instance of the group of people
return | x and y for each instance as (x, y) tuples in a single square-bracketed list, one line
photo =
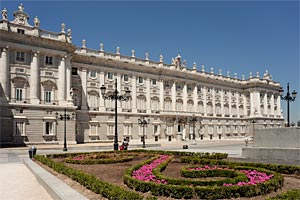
[(124, 145)]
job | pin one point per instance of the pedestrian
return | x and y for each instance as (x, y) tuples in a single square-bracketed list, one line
[(125, 144)]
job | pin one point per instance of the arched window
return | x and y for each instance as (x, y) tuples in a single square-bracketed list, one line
[(93, 97), (168, 104), (209, 108), (218, 109), (155, 103), (200, 107), (179, 105), (48, 90), (141, 103), (190, 106)]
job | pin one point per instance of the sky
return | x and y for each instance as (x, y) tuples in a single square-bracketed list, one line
[(236, 36)]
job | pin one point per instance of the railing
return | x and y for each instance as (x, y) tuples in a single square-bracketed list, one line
[(48, 34), (53, 102), (26, 101)]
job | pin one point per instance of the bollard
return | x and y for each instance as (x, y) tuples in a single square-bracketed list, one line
[(32, 152)]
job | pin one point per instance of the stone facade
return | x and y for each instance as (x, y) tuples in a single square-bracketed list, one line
[(42, 73)]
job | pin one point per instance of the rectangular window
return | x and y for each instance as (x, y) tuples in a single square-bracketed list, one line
[(48, 96), (49, 60), (20, 56), (111, 129), (20, 128), (19, 94), (155, 129), (93, 73), (93, 130), (167, 84), (21, 31), (109, 75), (141, 80), (74, 71), (125, 77), (153, 81), (189, 87), (49, 128)]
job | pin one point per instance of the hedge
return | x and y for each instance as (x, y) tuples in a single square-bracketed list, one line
[(283, 169), (107, 190), (90, 161), (291, 195)]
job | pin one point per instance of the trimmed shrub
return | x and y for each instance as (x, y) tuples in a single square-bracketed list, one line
[(107, 190), (291, 195)]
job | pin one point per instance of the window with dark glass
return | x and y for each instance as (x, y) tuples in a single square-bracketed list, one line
[(49, 60), (153, 81), (125, 77), (74, 71), (21, 31), (20, 56)]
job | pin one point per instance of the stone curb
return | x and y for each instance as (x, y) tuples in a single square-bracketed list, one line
[(55, 187)]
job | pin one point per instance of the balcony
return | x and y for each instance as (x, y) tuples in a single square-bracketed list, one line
[(141, 111), (126, 110)]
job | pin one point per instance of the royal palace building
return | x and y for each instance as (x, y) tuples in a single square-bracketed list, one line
[(47, 85)]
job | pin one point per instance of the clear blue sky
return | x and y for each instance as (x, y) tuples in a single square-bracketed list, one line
[(236, 36)]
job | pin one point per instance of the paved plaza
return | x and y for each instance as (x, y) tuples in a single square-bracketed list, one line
[(24, 179)]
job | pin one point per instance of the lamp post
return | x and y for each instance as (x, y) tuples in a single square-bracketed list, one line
[(193, 120), (64, 117), (144, 123), (115, 97), (253, 133), (289, 98)]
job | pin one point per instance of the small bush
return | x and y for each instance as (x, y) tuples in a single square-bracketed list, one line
[(291, 195)]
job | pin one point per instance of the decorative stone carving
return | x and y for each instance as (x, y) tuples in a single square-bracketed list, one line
[(69, 32), (132, 53), (63, 26), (211, 70), (250, 75), (243, 77), (220, 72), (36, 22), (228, 74), (118, 50), (203, 68), (257, 74), (101, 47), (161, 58), (147, 56), (194, 66), (4, 14), (83, 44)]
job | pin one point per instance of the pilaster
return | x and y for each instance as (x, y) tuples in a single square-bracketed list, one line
[(265, 112), (84, 89), (101, 100), (69, 80), (272, 104), (134, 110), (119, 88), (35, 79), (204, 101), (195, 98), (161, 94), (222, 102), (184, 94), (278, 105), (230, 103), (148, 96), (62, 81), (213, 91), (4, 78), (173, 95)]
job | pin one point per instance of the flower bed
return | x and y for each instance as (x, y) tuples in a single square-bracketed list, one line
[(99, 158), (254, 182)]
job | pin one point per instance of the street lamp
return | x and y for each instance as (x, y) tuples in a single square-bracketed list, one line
[(144, 123), (65, 117), (289, 98), (253, 133), (115, 97), (193, 120)]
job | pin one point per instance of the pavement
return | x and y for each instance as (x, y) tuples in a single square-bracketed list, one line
[(23, 179)]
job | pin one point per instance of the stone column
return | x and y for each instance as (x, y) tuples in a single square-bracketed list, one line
[(195, 98), (84, 89), (272, 104), (213, 92), (173, 95), (134, 110), (255, 103), (230, 103), (102, 101), (204, 102), (35, 79), (161, 94), (222, 103), (62, 81), (265, 112), (4, 78), (148, 95), (245, 104), (184, 95), (278, 105), (69, 80)]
